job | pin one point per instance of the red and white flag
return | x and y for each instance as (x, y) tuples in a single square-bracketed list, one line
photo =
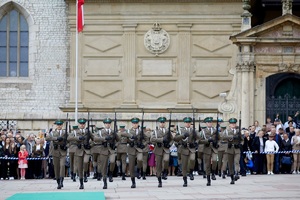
[(80, 19)]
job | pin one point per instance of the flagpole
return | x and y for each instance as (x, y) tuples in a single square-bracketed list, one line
[(76, 66)]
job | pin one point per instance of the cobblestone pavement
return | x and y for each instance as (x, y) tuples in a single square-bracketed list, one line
[(250, 187)]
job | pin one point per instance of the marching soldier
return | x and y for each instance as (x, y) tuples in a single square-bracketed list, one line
[(146, 151), (222, 155), (72, 149), (59, 153), (95, 150), (234, 139), (188, 139), (210, 151), (106, 138), (137, 142), (82, 153), (200, 157), (161, 138), (122, 151)]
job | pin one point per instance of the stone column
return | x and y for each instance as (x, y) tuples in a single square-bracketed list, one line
[(184, 65), (129, 81)]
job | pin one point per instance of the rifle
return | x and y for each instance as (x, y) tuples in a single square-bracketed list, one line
[(115, 132), (88, 136), (167, 145), (199, 127), (240, 129), (142, 132), (194, 126), (66, 133), (217, 132)]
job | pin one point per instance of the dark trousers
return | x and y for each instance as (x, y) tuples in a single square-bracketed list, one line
[(259, 162), (276, 163)]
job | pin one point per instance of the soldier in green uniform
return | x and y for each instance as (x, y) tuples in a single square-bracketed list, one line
[(200, 156), (162, 140), (187, 139), (95, 150), (235, 140), (72, 148), (122, 151), (59, 153), (106, 140), (210, 151), (137, 142), (147, 135), (82, 153), (222, 155)]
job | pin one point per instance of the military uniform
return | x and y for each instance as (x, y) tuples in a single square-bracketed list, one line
[(72, 146), (59, 152), (187, 149), (200, 158), (135, 148), (146, 149), (122, 151), (161, 138), (222, 155), (82, 153), (234, 139), (210, 152)]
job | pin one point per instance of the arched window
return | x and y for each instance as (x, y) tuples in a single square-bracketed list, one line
[(13, 45)]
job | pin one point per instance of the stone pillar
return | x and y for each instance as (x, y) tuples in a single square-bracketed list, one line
[(287, 6), (246, 16), (184, 65), (129, 81)]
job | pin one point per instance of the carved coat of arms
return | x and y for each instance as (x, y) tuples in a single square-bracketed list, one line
[(157, 40)]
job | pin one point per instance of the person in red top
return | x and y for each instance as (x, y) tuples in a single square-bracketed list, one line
[(22, 155)]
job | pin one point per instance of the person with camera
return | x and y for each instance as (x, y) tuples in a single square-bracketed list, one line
[(59, 151)]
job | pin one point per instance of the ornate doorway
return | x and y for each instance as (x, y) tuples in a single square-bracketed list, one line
[(282, 95)]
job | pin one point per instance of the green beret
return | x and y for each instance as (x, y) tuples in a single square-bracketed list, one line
[(135, 120), (187, 120), (232, 120), (162, 119), (81, 121), (107, 121), (208, 119), (59, 122), (75, 127), (122, 126)]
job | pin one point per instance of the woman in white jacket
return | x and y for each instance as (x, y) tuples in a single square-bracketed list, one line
[(295, 142), (271, 147)]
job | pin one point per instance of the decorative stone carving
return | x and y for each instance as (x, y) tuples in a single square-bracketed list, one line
[(157, 40), (288, 67), (227, 107), (245, 66), (287, 6)]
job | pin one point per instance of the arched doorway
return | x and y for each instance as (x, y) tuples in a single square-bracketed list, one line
[(282, 95)]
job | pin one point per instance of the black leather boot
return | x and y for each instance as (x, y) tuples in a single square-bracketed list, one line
[(191, 175), (81, 184), (236, 177), (85, 177), (208, 180), (219, 172), (123, 177), (133, 182), (58, 183), (213, 176), (104, 183), (138, 173), (95, 175), (74, 177), (232, 179), (62, 182), (184, 181), (204, 174), (159, 182), (165, 174), (72, 174), (224, 175), (99, 177), (144, 175), (111, 177)]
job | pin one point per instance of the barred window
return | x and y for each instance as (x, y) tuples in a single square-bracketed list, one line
[(14, 40)]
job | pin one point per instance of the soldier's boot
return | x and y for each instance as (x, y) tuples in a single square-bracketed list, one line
[(184, 181), (179, 173), (95, 175), (105, 183), (58, 183), (123, 176), (138, 173), (232, 179), (224, 175), (85, 177), (81, 184), (111, 177), (165, 174), (191, 174), (208, 180), (74, 177), (159, 182), (62, 182), (99, 177), (200, 172), (204, 174), (213, 176), (236, 177), (219, 172), (133, 182), (119, 171), (72, 174)]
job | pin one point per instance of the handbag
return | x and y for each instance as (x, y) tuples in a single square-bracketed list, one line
[(287, 160)]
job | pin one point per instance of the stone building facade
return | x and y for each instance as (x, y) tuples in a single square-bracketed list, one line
[(198, 54)]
